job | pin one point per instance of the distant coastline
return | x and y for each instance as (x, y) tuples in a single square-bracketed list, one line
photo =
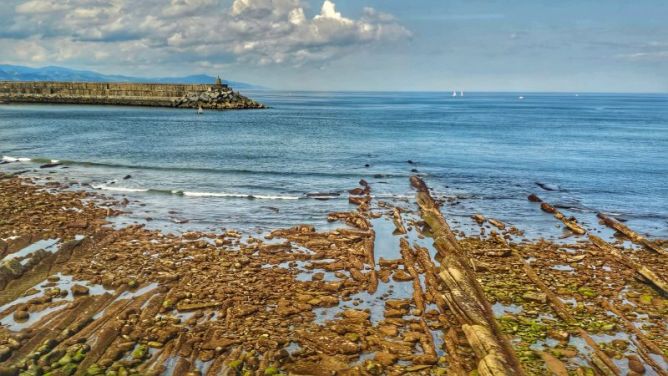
[(216, 96), (63, 74)]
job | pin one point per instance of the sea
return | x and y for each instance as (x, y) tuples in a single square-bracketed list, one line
[(257, 170)]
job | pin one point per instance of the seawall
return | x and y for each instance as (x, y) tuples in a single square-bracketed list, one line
[(219, 97)]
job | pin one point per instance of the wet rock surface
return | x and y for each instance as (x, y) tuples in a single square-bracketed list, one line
[(133, 301)]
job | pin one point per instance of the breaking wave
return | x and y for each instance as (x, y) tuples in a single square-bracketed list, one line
[(197, 169), (249, 196)]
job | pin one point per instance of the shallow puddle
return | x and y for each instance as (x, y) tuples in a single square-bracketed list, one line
[(139, 292), (49, 245)]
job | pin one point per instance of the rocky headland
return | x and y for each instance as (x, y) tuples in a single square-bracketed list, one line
[(80, 297)]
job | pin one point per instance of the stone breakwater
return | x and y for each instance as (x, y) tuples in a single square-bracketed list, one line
[(394, 290), (213, 97)]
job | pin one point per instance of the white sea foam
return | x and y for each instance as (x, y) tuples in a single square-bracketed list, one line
[(7, 158), (392, 195), (118, 189), (237, 195)]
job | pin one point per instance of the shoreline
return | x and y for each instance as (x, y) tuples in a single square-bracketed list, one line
[(367, 298)]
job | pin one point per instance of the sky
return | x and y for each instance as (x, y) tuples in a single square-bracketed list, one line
[(470, 45)]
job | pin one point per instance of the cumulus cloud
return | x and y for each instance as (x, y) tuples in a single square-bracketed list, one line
[(190, 31)]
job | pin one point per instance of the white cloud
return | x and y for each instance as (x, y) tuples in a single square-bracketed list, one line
[(329, 11), (191, 31), (646, 56), (40, 6)]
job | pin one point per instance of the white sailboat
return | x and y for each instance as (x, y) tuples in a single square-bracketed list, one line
[(454, 93), (199, 110), (461, 93)]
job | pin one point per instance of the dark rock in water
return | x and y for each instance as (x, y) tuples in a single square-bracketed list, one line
[(547, 187), (50, 165), (323, 195), (378, 176), (414, 170), (547, 208), (356, 191), (533, 198), (21, 316), (565, 205), (275, 210), (126, 177), (367, 165), (410, 162), (78, 290), (4, 162)]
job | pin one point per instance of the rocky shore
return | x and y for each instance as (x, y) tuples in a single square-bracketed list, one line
[(212, 97), (79, 297)]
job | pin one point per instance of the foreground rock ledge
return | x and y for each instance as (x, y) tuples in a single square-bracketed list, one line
[(78, 297)]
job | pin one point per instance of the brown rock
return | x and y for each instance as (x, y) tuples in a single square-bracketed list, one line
[(388, 330), (21, 316), (397, 303), (533, 198), (635, 364), (555, 365), (329, 301), (79, 290), (479, 218), (355, 314), (384, 275), (395, 312), (560, 335), (535, 296), (385, 358), (503, 252), (217, 340), (498, 224), (401, 276)]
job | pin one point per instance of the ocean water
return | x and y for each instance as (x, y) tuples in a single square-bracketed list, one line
[(264, 169)]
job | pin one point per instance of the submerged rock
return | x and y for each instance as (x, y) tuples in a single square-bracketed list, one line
[(21, 316), (79, 290)]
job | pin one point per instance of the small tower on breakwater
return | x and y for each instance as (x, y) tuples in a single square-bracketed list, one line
[(219, 83)]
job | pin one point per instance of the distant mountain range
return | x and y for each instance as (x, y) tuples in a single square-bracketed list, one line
[(52, 73)]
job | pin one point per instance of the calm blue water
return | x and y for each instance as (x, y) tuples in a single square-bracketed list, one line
[(596, 152)]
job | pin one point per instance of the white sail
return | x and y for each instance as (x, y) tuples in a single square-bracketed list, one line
[(454, 93), (461, 93)]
